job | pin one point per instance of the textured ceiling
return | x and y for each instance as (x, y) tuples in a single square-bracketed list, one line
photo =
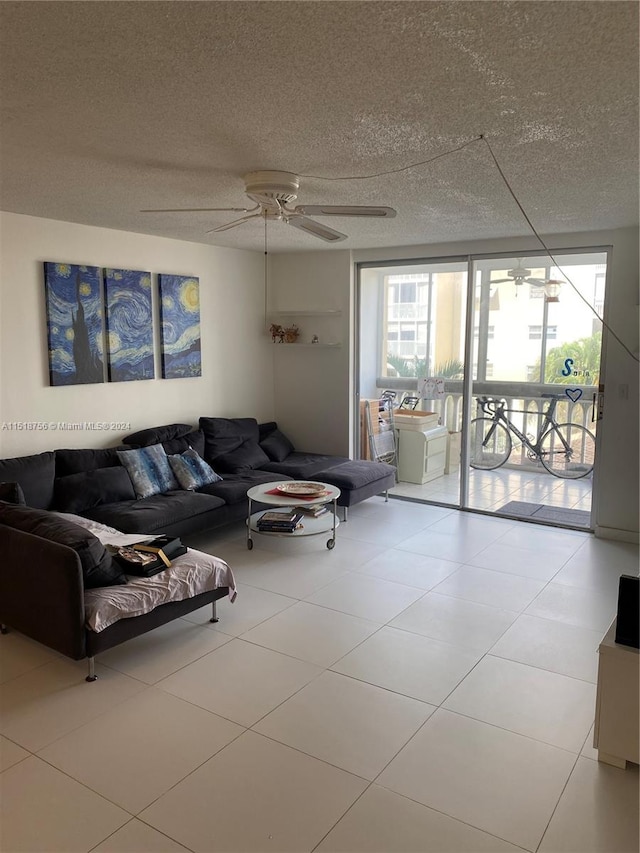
[(109, 107)]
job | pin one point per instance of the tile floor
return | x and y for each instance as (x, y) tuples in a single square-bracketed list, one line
[(429, 685), (491, 490)]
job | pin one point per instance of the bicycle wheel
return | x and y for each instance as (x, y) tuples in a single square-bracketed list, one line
[(568, 451), (490, 444)]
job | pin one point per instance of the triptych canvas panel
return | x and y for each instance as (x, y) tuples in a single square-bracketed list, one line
[(92, 330)]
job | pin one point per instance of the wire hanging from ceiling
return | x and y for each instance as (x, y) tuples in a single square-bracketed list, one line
[(483, 138)]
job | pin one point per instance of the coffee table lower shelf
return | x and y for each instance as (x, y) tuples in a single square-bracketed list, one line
[(310, 527)]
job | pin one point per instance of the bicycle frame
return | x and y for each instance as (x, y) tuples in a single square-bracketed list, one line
[(498, 416)]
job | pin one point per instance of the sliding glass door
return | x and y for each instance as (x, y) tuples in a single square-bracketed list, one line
[(411, 330), (526, 333)]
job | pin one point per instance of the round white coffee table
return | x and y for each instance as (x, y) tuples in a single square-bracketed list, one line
[(311, 526)]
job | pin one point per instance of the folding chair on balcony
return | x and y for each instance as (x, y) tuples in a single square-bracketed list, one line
[(381, 431), (409, 402)]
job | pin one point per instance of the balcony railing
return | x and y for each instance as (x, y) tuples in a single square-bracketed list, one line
[(523, 397)]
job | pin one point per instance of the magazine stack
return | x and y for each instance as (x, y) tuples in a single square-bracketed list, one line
[(285, 521)]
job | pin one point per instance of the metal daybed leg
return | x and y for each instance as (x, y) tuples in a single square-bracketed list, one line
[(4, 629), (386, 496), (214, 617), (92, 670), (345, 512)]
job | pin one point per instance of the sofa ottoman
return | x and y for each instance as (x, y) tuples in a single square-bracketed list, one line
[(359, 480)]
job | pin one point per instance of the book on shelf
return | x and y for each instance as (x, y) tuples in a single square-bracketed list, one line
[(270, 527), (314, 510), (276, 517)]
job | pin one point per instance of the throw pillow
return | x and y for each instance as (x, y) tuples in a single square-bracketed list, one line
[(149, 470), (78, 492), (277, 446), (35, 474), (248, 455), (12, 493), (98, 569), (192, 471)]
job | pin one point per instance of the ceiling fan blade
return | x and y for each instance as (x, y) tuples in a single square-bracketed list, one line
[(233, 223), (344, 210), (316, 229), (501, 280), (535, 280), (199, 209)]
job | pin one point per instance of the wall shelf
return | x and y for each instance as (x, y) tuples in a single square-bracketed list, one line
[(304, 313), (309, 346)]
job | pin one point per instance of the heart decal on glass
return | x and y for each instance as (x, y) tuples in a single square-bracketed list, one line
[(574, 394)]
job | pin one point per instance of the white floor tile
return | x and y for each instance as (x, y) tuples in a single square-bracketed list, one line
[(597, 813), (598, 565), (255, 796), (164, 650), (240, 681), (294, 577), (406, 567), (497, 589), (384, 822), (315, 634), (492, 779), (45, 703), (137, 837), (456, 621), (556, 646), (447, 546), (588, 749), (10, 753), (519, 561), (409, 664), (385, 533), (367, 597), (41, 809), (131, 764), (251, 607), (350, 724), (586, 608), (543, 705), (19, 654), (541, 539)]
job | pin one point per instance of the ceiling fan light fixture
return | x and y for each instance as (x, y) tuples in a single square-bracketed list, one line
[(552, 289)]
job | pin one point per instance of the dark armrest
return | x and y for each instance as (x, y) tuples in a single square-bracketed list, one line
[(41, 591)]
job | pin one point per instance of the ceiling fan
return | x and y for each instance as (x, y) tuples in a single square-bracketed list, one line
[(273, 192), (519, 275)]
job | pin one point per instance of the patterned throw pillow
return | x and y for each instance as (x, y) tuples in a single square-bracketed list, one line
[(149, 470), (191, 470)]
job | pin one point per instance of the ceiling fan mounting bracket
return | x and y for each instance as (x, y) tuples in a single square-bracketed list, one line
[(271, 187)]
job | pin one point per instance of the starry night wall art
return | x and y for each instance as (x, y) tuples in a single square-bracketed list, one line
[(180, 326), (129, 322), (74, 324)]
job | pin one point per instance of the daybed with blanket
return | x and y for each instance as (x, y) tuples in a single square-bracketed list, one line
[(60, 586)]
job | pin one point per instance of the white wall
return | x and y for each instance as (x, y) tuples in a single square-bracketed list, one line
[(313, 384), (237, 359), (313, 390)]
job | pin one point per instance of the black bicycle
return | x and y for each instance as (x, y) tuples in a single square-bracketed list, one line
[(565, 450)]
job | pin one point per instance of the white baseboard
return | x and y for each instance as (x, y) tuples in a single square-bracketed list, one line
[(615, 533)]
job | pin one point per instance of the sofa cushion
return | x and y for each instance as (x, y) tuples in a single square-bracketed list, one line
[(194, 439), (157, 434), (12, 493), (149, 470), (78, 492), (231, 444), (224, 435), (233, 489), (304, 466), (249, 455), (35, 475), (98, 569), (77, 460), (155, 513), (191, 471), (356, 473), (277, 446)]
